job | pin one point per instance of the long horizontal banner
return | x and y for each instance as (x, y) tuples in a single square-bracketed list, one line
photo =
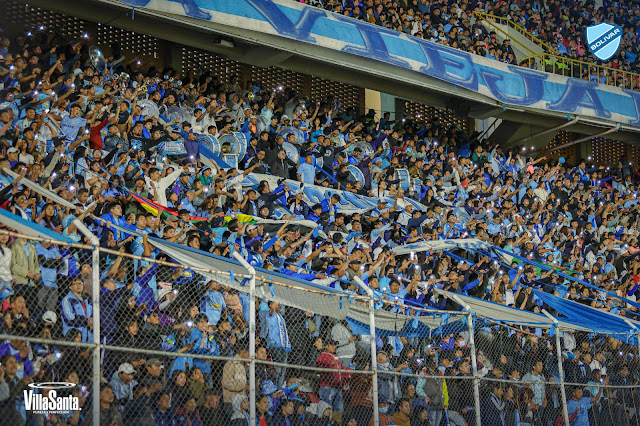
[(508, 84), (442, 245), (313, 194), (306, 295)]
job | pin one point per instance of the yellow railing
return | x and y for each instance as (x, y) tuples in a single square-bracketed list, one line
[(506, 35), (569, 67), (506, 21)]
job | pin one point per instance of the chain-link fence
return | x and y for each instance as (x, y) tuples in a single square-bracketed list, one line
[(145, 339)]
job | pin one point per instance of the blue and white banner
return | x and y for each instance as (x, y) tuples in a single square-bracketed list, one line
[(507, 84), (442, 245), (313, 194)]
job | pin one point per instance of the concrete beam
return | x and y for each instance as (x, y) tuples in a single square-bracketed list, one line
[(266, 49)]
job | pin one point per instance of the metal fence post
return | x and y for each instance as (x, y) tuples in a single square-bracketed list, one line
[(95, 301), (374, 362), (474, 368), (474, 360), (374, 359), (563, 392), (252, 337)]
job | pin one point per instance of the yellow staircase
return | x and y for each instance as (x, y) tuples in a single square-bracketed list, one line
[(542, 57), (518, 34)]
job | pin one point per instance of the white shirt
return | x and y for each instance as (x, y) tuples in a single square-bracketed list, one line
[(162, 184), (5, 265), (235, 183), (26, 158), (403, 218)]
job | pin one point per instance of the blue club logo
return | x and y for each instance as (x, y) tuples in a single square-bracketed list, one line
[(604, 40)]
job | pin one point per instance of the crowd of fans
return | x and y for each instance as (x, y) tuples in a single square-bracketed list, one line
[(84, 135), (560, 25)]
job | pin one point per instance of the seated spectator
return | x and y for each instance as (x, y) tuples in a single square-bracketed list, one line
[(122, 383), (109, 413)]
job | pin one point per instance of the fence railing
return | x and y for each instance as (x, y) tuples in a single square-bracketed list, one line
[(521, 30), (149, 340), (570, 67)]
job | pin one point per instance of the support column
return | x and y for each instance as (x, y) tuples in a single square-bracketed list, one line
[(252, 337), (374, 360), (474, 368), (563, 392)]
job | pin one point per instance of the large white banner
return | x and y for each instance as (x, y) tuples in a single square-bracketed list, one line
[(441, 245), (313, 194)]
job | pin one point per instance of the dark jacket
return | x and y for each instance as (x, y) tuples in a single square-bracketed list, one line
[(13, 390), (491, 411), (281, 167), (138, 412)]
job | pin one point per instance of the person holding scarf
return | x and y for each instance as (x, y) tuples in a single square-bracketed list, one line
[(278, 340)]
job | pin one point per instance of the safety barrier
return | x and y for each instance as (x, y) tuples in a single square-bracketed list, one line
[(143, 338), (521, 30), (584, 70)]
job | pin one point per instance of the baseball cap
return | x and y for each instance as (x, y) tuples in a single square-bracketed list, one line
[(49, 317), (163, 292), (12, 149), (155, 361), (126, 368)]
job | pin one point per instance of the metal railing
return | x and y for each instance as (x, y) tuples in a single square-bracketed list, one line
[(521, 30), (364, 378), (576, 68)]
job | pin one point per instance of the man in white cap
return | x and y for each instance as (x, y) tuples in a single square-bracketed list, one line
[(49, 318), (123, 383), (12, 155)]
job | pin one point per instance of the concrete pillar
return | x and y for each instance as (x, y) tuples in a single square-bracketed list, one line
[(399, 108), (584, 150), (172, 53), (372, 101), (388, 104)]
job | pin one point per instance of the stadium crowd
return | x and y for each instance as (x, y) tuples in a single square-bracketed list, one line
[(560, 25), (83, 135)]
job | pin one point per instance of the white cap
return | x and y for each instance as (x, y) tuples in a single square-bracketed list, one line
[(376, 252), (50, 317), (126, 368), (163, 292)]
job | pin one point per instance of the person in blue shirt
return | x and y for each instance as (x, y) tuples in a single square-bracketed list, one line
[(123, 383), (277, 340), (72, 123), (306, 171), (50, 259), (204, 343), (21, 352), (578, 407), (213, 303), (77, 311), (115, 216)]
